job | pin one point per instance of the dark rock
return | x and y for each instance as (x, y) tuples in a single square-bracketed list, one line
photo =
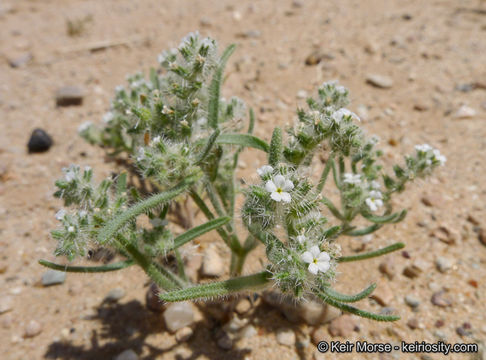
[(69, 95), (152, 300), (39, 141), (412, 271)]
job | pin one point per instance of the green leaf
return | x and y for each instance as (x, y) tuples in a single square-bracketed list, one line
[(215, 87), (332, 208), (243, 140), (208, 146), (115, 224), (219, 288), (356, 311), (333, 294), (87, 269), (199, 230), (275, 151), (372, 254), (121, 184), (324, 174), (392, 218), (364, 231)]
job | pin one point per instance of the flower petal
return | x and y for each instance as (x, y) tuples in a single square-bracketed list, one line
[(289, 185), (276, 196), (301, 239), (285, 197), (270, 186), (307, 257), (313, 268), (323, 256), (315, 251), (279, 181), (323, 266)]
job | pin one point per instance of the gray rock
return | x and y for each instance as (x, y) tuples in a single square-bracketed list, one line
[(20, 61), (443, 264), (301, 94), (248, 332), (53, 277), (286, 337), (127, 355), (69, 95), (178, 315), (33, 329), (115, 295), (212, 265), (379, 81), (465, 112), (412, 301), (225, 342), (6, 304)]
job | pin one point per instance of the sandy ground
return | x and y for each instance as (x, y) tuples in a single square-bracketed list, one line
[(429, 48)]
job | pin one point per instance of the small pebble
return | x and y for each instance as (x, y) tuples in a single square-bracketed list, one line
[(127, 355), (286, 337), (6, 304), (243, 306), (318, 335), (383, 294), (379, 81), (69, 95), (343, 326), (438, 299), (225, 342), (152, 300), (387, 268), (248, 332), (413, 323), (443, 264), (33, 329), (465, 112), (115, 295), (178, 315), (412, 301), (20, 61), (184, 334), (39, 141), (212, 264), (412, 271), (301, 94), (53, 277)]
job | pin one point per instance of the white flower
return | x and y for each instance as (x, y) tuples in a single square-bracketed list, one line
[(423, 148), (108, 117), (375, 200), (141, 154), (317, 260), (438, 157), (83, 213), (70, 175), (84, 126), (279, 187), (375, 184), (337, 116), (155, 140), (301, 239), (350, 178), (264, 170), (71, 229), (60, 214)]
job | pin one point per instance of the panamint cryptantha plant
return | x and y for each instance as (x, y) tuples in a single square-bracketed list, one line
[(181, 140)]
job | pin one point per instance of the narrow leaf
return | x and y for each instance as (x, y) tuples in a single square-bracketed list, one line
[(243, 140), (332, 208), (215, 87), (220, 288), (199, 230), (364, 231), (392, 218), (372, 254), (110, 228), (356, 311), (208, 146), (87, 269), (333, 294), (324, 174)]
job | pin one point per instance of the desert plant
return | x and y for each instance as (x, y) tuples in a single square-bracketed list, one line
[(176, 132)]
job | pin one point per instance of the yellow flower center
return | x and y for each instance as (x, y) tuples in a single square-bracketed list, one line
[(279, 190)]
